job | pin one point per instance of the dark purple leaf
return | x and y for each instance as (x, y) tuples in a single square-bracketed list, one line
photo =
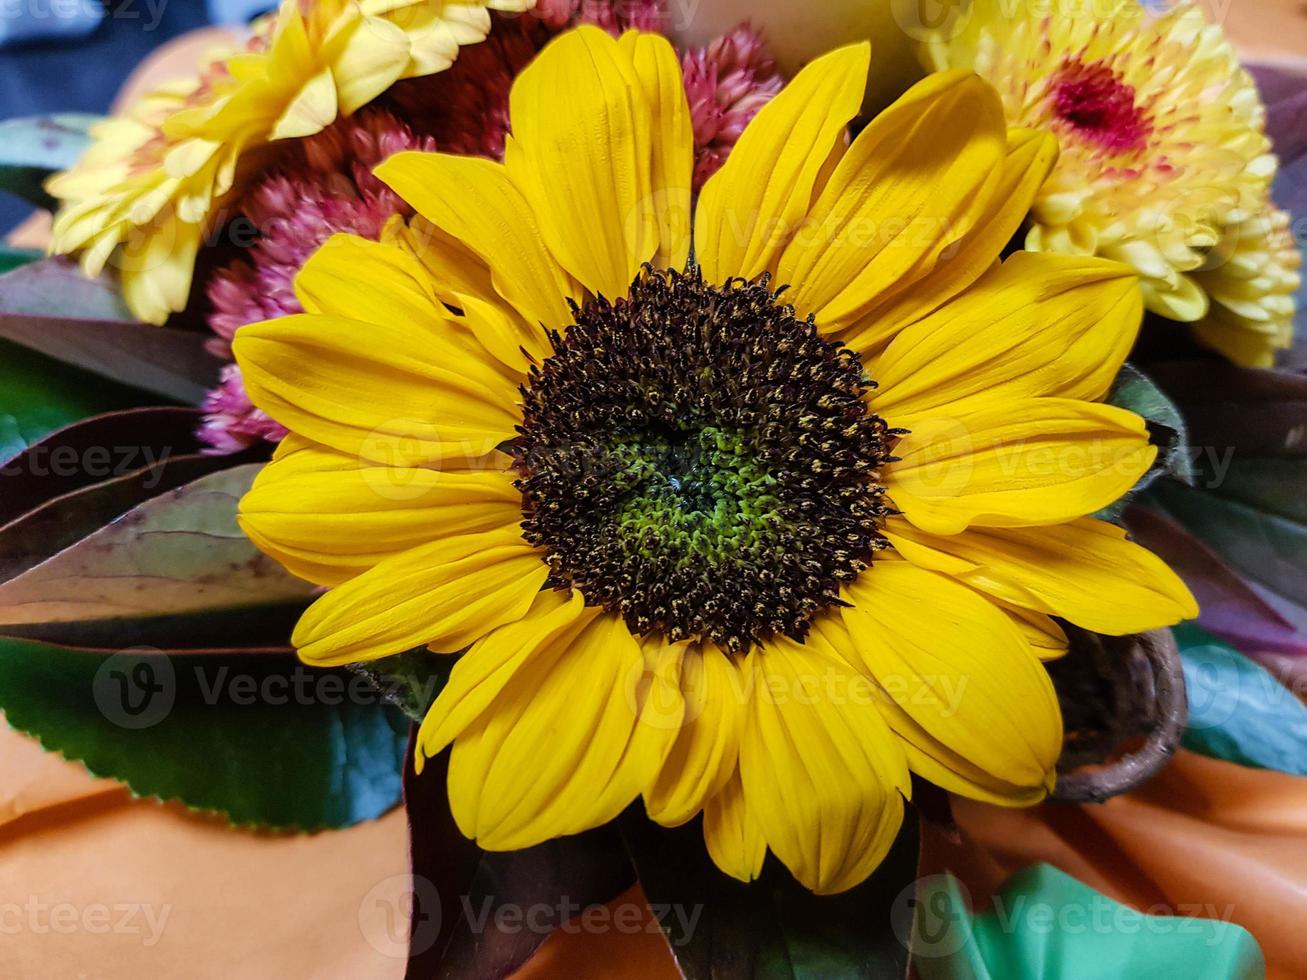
[(1231, 607), (718, 927), (94, 450), (51, 307), (177, 554), (470, 906)]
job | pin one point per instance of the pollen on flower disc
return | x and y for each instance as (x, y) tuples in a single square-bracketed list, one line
[(699, 460)]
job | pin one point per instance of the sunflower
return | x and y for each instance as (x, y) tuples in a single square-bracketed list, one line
[(693, 553), (145, 193), (1160, 130)]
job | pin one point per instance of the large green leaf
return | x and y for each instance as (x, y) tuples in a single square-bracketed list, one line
[(1238, 711), (33, 147), (773, 928), (264, 740), (1045, 925), (39, 395), (50, 306)]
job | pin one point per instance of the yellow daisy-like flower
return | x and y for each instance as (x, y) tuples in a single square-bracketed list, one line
[(1252, 277), (144, 194), (693, 554), (1160, 130)]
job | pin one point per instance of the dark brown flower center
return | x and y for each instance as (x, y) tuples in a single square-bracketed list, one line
[(699, 460)]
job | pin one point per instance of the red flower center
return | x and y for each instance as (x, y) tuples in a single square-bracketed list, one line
[(1100, 107)]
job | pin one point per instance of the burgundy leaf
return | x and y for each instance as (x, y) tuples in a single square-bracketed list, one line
[(51, 307)]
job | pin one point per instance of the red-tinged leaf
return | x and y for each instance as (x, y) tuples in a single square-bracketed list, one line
[(178, 553), (774, 928), (63, 521), (51, 307), (93, 450), (1231, 607), (470, 907), (243, 630), (1230, 408)]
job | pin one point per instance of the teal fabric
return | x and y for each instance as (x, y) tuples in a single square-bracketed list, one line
[(1237, 710), (1046, 925)]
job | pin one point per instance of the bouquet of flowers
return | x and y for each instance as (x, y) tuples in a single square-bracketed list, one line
[(648, 457)]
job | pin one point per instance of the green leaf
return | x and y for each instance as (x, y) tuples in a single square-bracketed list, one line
[(1237, 710), (263, 740), (52, 307), (34, 147), (178, 553), (773, 927), (414, 677), (1045, 925), (1135, 391), (39, 395)]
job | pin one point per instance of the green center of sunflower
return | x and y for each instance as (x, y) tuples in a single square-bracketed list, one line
[(699, 460)]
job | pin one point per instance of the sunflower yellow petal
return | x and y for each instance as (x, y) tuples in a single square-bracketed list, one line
[(1045, 636), (958, 666), (1036, 325), (1023, 462), (823, 775), (733, 838), (914, 181), (474, 201), (552, 621), (1030, 157), (354, 277), (1085, 571), (562, 748), (748, 210), (707, 747), (327, 516), (659, 72), (446, 594), (398, 393), (581, 153)]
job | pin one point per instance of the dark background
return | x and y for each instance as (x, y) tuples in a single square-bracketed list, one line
[(84, 75)]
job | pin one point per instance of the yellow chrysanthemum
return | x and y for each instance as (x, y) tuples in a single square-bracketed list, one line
[(1159, 127), (144, 194), (691, 554), (1251, 277)]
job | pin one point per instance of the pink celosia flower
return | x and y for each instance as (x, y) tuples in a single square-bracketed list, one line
[(326, 186), (613, 16), (465, 108), (231, 422), (726, 83)]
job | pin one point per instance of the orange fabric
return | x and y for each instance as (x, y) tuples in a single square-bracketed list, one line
[(1205, 838), (96, 883), (636, 951), (1273, 30)]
